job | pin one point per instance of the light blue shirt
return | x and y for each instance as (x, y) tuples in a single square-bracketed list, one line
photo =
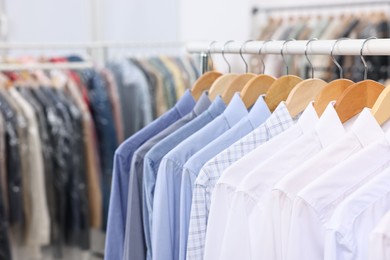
[(134, 235), (156, 153), (116, 225), (258, 114), (165, 229)]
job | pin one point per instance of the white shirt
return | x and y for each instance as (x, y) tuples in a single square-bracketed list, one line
[(243, 231), (224, 189), (379, 248), (347, 234), (364, 131), (315, 204)]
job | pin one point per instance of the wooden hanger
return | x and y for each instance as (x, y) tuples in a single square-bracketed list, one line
[(356, 97), (359, 95), (302, 94), (281, 88), (381, 109), (221, 83), (334, 89), (205, 81), (239, 82), (236, 85), (256, 86), (330, 92), (305, 91)]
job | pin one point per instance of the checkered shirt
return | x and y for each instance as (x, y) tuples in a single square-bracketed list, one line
[(278, 122)]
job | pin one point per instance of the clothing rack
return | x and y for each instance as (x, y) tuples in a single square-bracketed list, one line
[(98, 50), (47, 66), (373, 47), (276, 8)]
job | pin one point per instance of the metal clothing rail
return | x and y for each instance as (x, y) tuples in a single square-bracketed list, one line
[(373, 47), (98, 50), (88, 45), (344, 4), (47, 66)]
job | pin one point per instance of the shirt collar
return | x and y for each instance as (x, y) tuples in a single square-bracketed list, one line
[(259, 112), (329, 127), (217, 107), (308, 119), (185, 104), (202, 104), (366, 128), (235, 111)]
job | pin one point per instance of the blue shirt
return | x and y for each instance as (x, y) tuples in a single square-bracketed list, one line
[(165, 229), (258, 114), (134, 245), (153, 157), (120, 177)]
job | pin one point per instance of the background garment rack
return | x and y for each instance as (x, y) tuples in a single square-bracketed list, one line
[(98, 51), (374, 47)]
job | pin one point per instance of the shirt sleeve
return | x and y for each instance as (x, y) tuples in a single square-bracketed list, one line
[(165, 228), (134, 245), (236, 240), (147, 202), (306, 238), (187, 185), (198, 224), (379, 248), (220, 205), (271, 248), (336, 247), (116, 215)]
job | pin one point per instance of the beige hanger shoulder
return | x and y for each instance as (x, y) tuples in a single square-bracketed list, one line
[(356, 97), (236, 86), (220, 84), (280, 89), (381, 108), (302, 94), (204, 83), (330, 92), (255, 87)]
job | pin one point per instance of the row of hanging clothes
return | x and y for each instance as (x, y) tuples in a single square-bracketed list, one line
[(252, 166), (59, 128), (336, 25)]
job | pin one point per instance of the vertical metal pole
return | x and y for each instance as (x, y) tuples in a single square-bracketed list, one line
[(204, 63)]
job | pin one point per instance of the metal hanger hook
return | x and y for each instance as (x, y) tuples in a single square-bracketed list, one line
[(281, 53), (209, 53), (362, 58), (307, 58), (223, 54), (242, 57), (260, 54), (341, 71)]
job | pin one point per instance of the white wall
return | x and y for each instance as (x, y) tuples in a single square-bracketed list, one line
[(46, 20), (160, 20)]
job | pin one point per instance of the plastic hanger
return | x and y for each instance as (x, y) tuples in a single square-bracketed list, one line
[(305, 91), (239, 82), (333, 89), (258, 85), (222, 82), (205, 81), (281, 88), (359, 95)]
